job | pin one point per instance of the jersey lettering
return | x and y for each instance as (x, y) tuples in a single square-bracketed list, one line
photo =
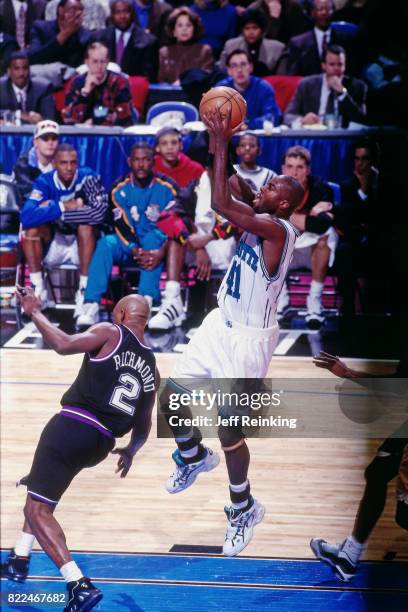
[(233, 280), (130, 389)]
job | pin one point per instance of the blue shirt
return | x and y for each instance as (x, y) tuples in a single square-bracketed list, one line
[(260, 99), (143, 13), (48, 194), (220, 24)]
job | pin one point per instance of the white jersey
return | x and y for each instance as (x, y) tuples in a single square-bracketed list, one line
[(256, 178), (248, 294)]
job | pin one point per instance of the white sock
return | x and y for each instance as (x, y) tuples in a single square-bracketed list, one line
[(71, 572), (36, 278), (172, 288), (316, 288), (24, 544), (149, 300), (353, 549), (82, 281)]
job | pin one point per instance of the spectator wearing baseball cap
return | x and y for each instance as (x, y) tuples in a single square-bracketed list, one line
[(38, 158), (266, 54)]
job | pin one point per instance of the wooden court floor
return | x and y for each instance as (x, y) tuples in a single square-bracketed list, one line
[(310, 487)]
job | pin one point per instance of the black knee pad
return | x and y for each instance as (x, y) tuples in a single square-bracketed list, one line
[(229, 436), (382, 469)]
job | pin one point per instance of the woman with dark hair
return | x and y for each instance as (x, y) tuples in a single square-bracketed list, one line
[(184, 52), (220, 22)]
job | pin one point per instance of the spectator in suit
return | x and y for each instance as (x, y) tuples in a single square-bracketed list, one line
[(95, 13), (100, 96), (31, 98), (151, 15), (284, 18), (63, 40), (357, 220), (305, 52), (171, 161), (64, 209), (17, 17), (259, 95), (130, 46), (330, 93), (184, 28), (316, 246), (220, 22), (266, 54), (38, 159)]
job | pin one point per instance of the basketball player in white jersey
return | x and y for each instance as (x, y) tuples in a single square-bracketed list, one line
[(237, 339)]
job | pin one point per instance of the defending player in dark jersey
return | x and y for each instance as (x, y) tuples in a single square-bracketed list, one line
[(113, 394)]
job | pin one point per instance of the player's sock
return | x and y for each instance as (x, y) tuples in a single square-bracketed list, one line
[(352, 548), (190, 447), (71, 572), (83, 280), (316, 288), (24, 544), (241, 496), (36, 279)]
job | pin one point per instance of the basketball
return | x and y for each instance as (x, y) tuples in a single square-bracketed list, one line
[(225, 98)]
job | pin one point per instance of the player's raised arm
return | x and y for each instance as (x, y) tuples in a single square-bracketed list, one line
[(64, 344), (258, 219)]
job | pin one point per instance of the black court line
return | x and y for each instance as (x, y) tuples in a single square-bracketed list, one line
[(233, 585), (205, 556)]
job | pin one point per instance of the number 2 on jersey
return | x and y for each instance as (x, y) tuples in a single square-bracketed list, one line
[(130, 390), (233, 280)]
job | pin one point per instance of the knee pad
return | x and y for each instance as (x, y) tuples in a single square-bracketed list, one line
[(231, 438)]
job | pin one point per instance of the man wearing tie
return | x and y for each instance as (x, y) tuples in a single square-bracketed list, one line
[(328, 94), (130, 46), (305, 52), (32, 98), (17, 17)]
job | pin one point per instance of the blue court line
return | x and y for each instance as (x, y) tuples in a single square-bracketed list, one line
[(212, 570), (171, 598)]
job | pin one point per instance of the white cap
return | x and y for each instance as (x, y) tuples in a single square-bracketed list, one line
[(46, 127)]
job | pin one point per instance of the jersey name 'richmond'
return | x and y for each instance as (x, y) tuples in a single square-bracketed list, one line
[(131, 360)]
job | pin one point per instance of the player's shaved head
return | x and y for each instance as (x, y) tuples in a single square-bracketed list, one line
[(291, 190), (132, 309)]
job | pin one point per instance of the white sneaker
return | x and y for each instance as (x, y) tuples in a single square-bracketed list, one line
[(336, 557), (89, 314), (314, 317), (283, 303), (185, 473), (79, 302), (171, 313), (240, 527), (42, 294)]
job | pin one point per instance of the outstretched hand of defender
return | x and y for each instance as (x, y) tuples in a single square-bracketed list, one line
[(219, 125), (28, 300), (333, 364), (125, 460)]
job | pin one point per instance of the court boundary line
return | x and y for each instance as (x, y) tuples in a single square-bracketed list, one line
[(230, 585), (209, 556)]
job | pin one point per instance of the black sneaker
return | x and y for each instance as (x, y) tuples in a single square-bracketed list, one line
[(344, 569), (15, 567), (82, 596)]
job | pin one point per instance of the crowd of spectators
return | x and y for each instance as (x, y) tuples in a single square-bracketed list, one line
[(159, 214)]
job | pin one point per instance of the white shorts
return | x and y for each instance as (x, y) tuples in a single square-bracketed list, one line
[(302, 255), (219, 351), (63, 250)]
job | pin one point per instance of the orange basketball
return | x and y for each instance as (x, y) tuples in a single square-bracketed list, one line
[(225, 98)]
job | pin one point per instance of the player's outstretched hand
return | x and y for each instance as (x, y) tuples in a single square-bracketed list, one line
[(333, 364), (219, 124), (26, 297), (125, 460)]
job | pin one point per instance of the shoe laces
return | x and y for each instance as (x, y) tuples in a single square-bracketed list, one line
[(237, 521)]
